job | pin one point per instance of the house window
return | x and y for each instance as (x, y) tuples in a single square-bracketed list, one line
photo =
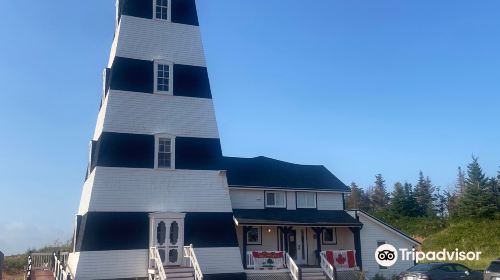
[(164, 152), (161, 9), (275, 199), (306, 200), (254, 236), (329, 236), (163, 77), (380, 243)]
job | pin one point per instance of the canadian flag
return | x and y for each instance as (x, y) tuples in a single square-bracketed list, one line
[(344, 259)]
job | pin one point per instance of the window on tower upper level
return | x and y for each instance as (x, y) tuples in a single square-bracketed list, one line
[(164, 151), (162, 9), (163, 77)]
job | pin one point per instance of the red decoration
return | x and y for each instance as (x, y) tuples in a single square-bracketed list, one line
[(267, 255), (340, 259)]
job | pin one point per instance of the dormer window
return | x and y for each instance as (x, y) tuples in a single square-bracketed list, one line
[(164, 152), (275, 199), (163, 77), (306, 200), (162, 9)]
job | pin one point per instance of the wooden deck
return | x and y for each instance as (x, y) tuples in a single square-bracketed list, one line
[(42, 275)]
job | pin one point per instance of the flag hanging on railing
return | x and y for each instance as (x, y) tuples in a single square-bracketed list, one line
[(268, 260), (342, 259)]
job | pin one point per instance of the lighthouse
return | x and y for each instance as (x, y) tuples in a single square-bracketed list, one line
[(155, 199)]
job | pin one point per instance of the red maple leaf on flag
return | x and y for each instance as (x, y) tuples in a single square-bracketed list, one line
[(340, 259)]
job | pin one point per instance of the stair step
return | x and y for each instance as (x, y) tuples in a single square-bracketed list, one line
[(314, 277), (312, 269)]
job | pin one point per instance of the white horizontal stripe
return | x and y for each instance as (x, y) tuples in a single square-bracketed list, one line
[(141, 113), (109, 264), (148, 39), (149, 190), (219, 260)]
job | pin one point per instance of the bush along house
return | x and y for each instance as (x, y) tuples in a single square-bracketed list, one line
[(160, 201)]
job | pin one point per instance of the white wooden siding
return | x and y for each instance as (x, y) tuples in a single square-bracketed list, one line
[(247, 199), (147, 39), (371, 233), (219, 260), (140, 113), (109, 264), (291, 201), (150, 190), (100, 120), (330, 201), (269, 239), (86, 194)]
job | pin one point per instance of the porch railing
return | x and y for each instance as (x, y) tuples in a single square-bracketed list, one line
[(279, 263), (156, 264), (61, 268), (193, 262), (293, 267), (55, 262), (328, 268)]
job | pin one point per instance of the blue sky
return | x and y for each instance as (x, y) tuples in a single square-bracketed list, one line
[(363, 87)]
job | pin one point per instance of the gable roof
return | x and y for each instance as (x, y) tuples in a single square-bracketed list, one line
[(385, 225), (271, 173)]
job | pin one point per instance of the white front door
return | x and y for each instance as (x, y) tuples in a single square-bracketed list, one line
[(168, 236), (301, 246)]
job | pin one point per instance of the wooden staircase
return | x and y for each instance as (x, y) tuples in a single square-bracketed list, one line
[(179, 273), (313, 273)]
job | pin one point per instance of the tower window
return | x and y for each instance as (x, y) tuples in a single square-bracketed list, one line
[(164, 152), (163, 77), (162, 10)]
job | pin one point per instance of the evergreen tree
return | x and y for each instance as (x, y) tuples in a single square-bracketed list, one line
[(424, 195), (354, 199), (441, 203), (478, 199), (398, 200), (460, 186), (366, 203), (380, 197), (411, 205)]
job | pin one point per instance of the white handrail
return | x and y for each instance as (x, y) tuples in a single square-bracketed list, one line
[(193, 262), (293, 267), (154, 255), (61, 269), (328, 268)]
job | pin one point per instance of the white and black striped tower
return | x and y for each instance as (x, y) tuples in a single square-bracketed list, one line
[(154, 172)]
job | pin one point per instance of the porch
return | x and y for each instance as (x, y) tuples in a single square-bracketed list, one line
[(274, 240)]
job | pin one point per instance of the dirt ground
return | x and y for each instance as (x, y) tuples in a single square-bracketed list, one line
[(12, 277)]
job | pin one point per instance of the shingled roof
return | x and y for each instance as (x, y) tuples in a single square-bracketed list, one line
[(271, 173)]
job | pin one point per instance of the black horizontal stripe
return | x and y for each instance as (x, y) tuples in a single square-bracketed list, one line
[(109, 231), (205, 230), (128, 74), (183, 11), (225, 276), (138, 151)]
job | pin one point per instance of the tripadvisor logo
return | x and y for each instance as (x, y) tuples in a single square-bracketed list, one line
[(387, 255)]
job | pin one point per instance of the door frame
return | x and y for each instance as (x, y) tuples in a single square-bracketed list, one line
[(300, 244), (154, 217)]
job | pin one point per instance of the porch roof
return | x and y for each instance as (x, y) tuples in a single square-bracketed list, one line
[(307, 217)]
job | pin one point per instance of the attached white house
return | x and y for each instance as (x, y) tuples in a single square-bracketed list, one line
[(161, 201)]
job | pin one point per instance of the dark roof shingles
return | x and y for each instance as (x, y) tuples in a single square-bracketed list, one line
[(271, 173)]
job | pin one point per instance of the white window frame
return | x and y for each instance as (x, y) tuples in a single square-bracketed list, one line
[(334, 241), (275, 200), (170, 77), (169, 11), (172, 152), (259, 234), (315, 200)]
